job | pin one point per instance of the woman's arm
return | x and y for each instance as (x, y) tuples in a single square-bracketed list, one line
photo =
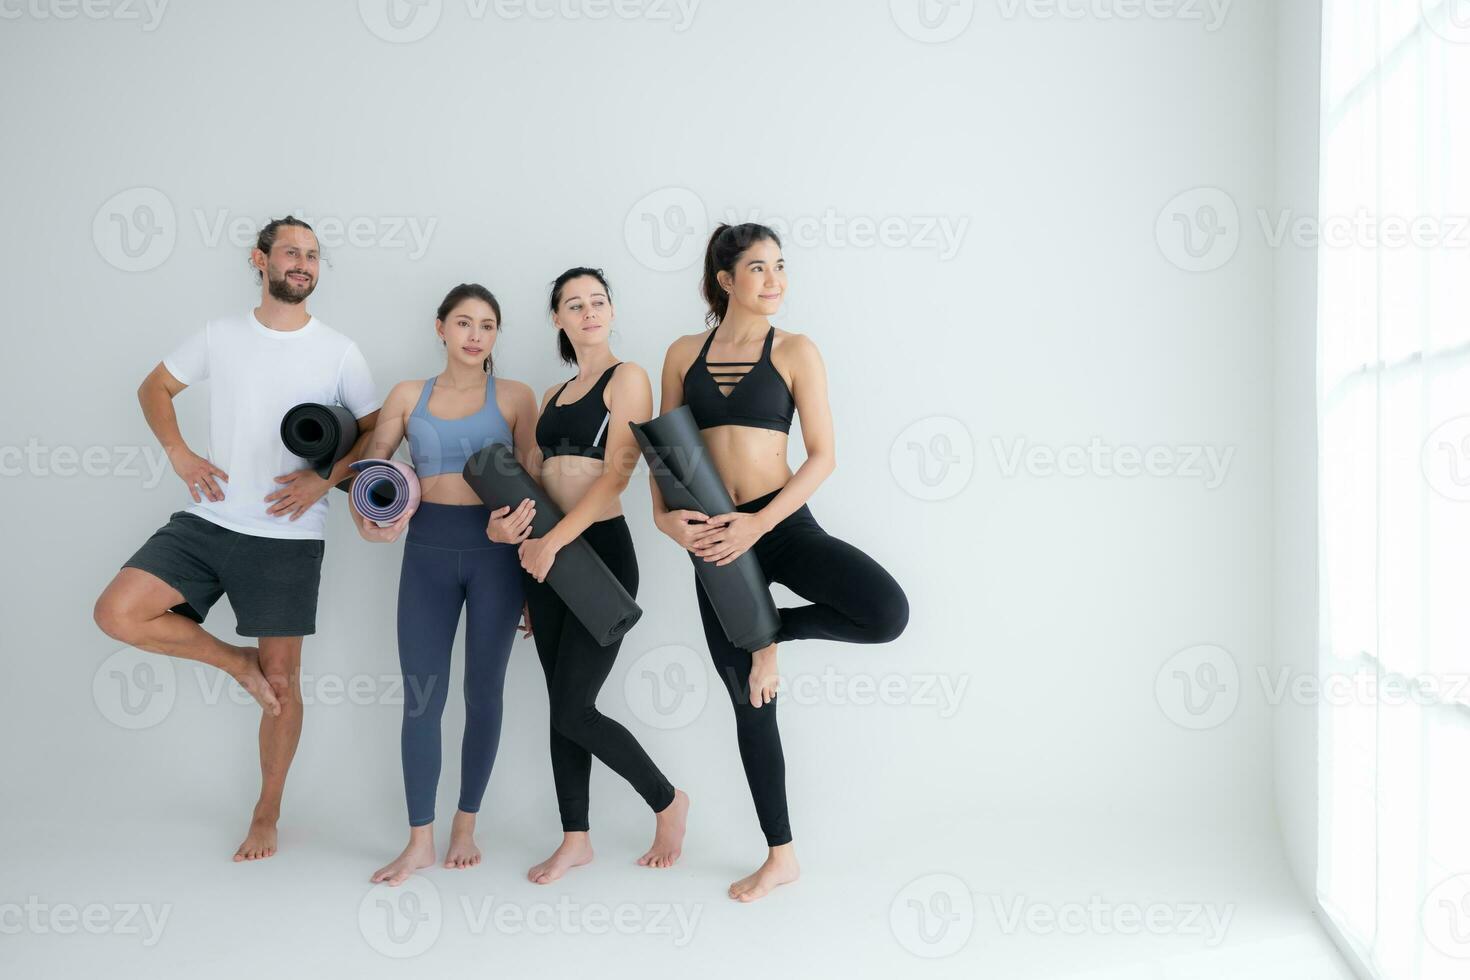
[(675, 523), (381, 443), (809, 389), (629, 399)]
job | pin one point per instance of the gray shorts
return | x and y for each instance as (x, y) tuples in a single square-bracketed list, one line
[(272, 582)]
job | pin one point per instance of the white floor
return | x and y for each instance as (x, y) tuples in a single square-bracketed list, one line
[(967, 898)]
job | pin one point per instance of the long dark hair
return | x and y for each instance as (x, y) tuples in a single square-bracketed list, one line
[(471, 290), (726, 245), (564, 346), (266, 240)]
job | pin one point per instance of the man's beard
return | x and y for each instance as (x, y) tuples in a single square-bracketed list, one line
[(287, 291)]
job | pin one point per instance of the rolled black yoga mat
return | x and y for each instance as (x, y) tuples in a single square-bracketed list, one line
[(321, 435), (578, 576), (687, 478)]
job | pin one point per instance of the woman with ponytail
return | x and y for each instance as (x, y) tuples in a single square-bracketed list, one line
[(449, 563), (744, 380)]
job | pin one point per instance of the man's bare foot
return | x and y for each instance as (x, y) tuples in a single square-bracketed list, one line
[(249, 676), (417, 855), (260, 841), (668, 836), (462, 850), (763, 679), (780, 869), (575, 851)]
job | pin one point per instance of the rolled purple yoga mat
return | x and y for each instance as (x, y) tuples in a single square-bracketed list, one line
[(383, 489)]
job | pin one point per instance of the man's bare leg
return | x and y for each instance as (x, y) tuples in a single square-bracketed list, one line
[(135, 609), (280, 660)]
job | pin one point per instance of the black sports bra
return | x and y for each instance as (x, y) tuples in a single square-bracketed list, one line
[(758, 397), (578, 429)]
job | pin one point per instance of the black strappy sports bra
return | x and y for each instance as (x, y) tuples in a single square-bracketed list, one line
[(578, 429), (758, 395)]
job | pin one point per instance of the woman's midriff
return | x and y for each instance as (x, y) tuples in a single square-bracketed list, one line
[(751, 460), (567, 479), (447, 488)]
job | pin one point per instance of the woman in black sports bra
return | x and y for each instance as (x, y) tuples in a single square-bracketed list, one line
[(743, 381), (585, 455)]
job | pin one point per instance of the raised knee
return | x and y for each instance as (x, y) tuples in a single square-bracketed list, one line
[(890, 616), (112, 618)]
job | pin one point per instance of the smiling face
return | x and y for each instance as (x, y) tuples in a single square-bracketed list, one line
[(469, 332), (584, 311), (291, 268), (758, 282)]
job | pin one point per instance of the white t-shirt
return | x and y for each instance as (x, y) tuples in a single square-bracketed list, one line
[(258, 374)]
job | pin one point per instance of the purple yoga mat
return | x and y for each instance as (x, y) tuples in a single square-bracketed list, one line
[(383, 489)]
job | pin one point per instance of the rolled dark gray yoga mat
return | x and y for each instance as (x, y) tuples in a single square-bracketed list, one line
[(687, 479), (578, 576), (321, 435)]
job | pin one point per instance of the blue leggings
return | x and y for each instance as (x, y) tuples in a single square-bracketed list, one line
[(448, 562)]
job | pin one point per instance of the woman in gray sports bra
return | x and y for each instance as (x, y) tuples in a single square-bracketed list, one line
[(450, 563), (586, 454)]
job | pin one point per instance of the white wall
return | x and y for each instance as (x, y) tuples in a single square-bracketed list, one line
[(1298, 50), (529, 143)]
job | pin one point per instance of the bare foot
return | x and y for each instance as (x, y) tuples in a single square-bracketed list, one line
[(668, 837), (248, 675), (418, 854), (763, 679), (463, 853), (260, 841), (780, 869), (575, 851)]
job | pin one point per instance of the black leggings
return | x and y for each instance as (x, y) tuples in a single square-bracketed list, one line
[(576, 668), (853, 600)]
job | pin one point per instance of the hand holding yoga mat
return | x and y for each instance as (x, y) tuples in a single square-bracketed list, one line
[(687, 479), (321, 435), (578, 575), (384, 489)]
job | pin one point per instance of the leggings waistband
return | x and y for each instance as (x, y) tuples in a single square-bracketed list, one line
[(460, 527), (751, 506)]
